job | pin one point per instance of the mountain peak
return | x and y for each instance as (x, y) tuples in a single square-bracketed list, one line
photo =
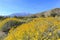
[(56, 8), (20, 14)]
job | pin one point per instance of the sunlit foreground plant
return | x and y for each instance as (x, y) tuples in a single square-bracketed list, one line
[(38, 29)]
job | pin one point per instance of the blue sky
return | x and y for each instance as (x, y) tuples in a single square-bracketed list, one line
[(30, 6)]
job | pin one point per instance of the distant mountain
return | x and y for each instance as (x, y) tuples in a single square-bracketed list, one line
[(20, 14), (53, 13)]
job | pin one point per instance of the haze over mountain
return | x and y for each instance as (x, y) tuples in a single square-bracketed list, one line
[(20, 14)]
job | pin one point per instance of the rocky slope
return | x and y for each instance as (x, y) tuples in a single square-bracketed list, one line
[(53, 13)]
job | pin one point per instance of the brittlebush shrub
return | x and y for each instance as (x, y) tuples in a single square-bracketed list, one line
[(37, 29), (7, 20), (8, 23)]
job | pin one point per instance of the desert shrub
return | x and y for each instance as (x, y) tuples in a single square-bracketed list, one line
[(8, 23), (53, 14), (42, 15)]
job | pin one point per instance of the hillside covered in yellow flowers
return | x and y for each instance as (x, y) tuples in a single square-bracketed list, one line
[(43, 26), (37, 29)]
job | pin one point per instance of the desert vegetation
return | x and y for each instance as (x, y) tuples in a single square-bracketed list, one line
[(37, 29), (44, 26)]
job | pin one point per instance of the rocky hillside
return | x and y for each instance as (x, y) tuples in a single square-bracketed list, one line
[(50, 13)]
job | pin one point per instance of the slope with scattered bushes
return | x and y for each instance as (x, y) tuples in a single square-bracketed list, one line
[(50, 13), (38, 29)]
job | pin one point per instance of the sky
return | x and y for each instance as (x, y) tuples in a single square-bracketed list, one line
[(8, 7)]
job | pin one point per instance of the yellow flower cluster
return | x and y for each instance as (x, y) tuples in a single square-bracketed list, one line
[(37, 29), (7, 20)]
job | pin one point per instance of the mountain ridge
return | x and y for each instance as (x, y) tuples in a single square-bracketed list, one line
[(54, 12)]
